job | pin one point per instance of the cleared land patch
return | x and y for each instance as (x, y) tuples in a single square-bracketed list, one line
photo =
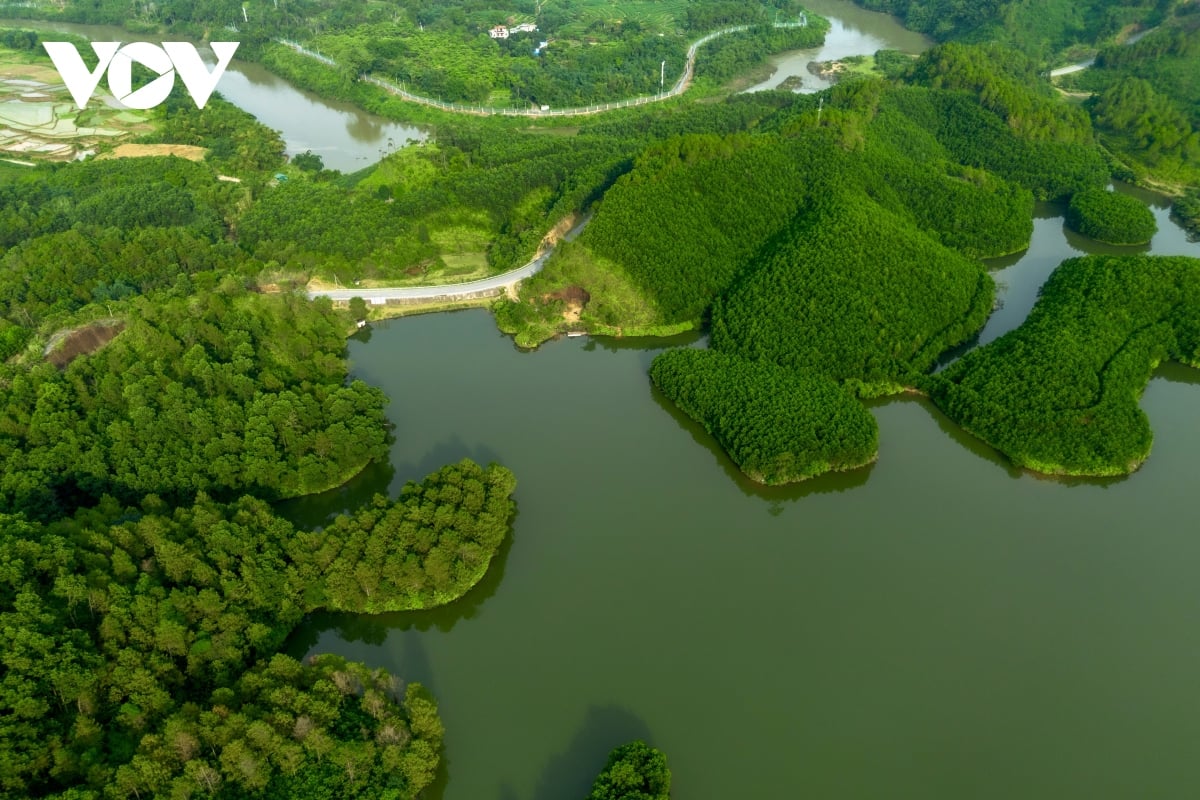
[(189, 151)]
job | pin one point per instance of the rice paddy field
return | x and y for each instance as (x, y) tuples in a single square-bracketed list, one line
[(39, 120)]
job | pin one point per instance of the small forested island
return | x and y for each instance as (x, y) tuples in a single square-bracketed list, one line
[(634, 771), (1111, 217), (164, 377)]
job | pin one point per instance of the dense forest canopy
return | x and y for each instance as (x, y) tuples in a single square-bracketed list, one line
[(139, 644), (1039, 28), (854, 294), (778, 425), (223, 392), (634, 771), (1111, 217), (151, 405), (1059, 393)]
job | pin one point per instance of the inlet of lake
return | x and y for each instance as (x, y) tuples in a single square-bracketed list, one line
[(938, 625)]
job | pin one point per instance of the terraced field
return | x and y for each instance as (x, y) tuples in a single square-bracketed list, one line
[(39, 121)]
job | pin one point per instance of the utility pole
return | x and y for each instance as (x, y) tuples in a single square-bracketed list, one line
[(662, 77), (820, 108), (244, 17)]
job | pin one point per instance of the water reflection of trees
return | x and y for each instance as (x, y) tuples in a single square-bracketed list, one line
[(776, 496)]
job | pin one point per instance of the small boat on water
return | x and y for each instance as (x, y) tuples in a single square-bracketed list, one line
[(573, 334)]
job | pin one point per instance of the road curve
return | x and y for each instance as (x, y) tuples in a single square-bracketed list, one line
[(451, 291), (1082, 65), (680, 86)]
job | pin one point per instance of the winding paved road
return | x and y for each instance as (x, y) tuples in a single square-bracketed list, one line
[(452, 291), (1082, 65), (498, 283), (680, 86)]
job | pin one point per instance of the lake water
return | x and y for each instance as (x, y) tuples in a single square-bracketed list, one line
[(936, 625), (346, 137), (853, 31)]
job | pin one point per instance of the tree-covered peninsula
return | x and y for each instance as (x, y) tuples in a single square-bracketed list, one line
[(778, 425), (139, 644), (153, 400), (1060, 393)]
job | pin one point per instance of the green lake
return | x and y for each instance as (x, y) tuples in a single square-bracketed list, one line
[(936, 625)]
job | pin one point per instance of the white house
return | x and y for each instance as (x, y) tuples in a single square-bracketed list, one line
[(498, 32)]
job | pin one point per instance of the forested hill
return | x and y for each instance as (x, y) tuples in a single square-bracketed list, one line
[(1145, 93), (154, 400), (832, 242), (564, 53), (959, 161), (1038, 28), (1146, 100), (138, 645)]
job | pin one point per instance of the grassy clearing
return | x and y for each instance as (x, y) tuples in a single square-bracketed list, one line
[(188, 151), (614, 298), (552, 302), (395, 311)]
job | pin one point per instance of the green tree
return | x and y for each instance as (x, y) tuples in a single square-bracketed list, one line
[(634, 771)]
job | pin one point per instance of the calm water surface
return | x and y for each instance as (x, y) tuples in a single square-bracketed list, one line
[(346, 137), (854, 31), (938, 625)]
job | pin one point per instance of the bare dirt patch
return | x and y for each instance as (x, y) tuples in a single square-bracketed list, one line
[(575, 297), (189, 151), (81, 341), (557, 233)]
